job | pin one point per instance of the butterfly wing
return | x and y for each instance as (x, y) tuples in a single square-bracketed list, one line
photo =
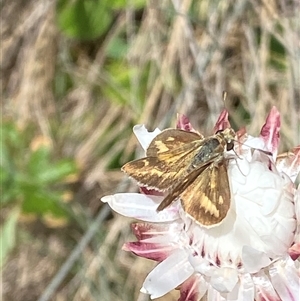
[(168, 159), (172, 141), (207, 198), (182, 186), (151, 173)]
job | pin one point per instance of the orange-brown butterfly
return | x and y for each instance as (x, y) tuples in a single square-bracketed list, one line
[(191, 168)]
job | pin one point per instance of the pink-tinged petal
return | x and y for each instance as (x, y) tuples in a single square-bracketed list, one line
[(183, 123), (222, 122), (146, 231), (168, 275), (264, 288), (285, 277), (241, 134), (241, 137), (141, 206), (289, 163), (193, 289), (157, 252), (174, 237), (144, 136), (270, 131), (294, 251)]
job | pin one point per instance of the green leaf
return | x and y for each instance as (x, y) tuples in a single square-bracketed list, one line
[(43, 171), (8, 236), (39, 201), (277, 54), (39, 161), (83, 19), (57, 172)]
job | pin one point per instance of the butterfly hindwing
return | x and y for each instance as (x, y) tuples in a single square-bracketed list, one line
[(207, 199), (182, 186)]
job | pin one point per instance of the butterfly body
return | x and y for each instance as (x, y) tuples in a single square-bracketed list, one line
[(188, 167), (211, 148)]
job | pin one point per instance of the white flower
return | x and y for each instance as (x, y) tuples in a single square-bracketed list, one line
[(252, 254)]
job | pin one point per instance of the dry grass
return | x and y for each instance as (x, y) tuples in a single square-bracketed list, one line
[(181, 56)]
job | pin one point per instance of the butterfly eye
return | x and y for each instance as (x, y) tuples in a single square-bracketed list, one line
[(230, 145)]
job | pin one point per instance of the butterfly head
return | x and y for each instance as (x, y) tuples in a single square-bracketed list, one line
[(228, 136)]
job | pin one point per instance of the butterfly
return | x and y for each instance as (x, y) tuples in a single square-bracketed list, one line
[(190, 167)]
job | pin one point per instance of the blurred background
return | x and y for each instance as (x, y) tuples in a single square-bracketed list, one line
[(76, 75)]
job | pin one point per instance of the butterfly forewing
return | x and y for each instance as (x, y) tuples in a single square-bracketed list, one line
[(151, 173), (171, 140), (166, 161)]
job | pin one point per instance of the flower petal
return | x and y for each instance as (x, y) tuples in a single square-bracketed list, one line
[(224, 279), (222, 122), (193, 289), (141, 206), (157, 252), (294, 251), (144, 136), (265, 207), (246, 289), (213, 295), (254, 260), (264, 288), (285, 278), (168, 274), (256, 143), (201, 265), (289, 163), (156, 241), (174, 236), (146, 231), (270, 131), (183, 123)]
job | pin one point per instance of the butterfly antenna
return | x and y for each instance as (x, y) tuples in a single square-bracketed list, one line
[(268, 153), (224, 96)]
